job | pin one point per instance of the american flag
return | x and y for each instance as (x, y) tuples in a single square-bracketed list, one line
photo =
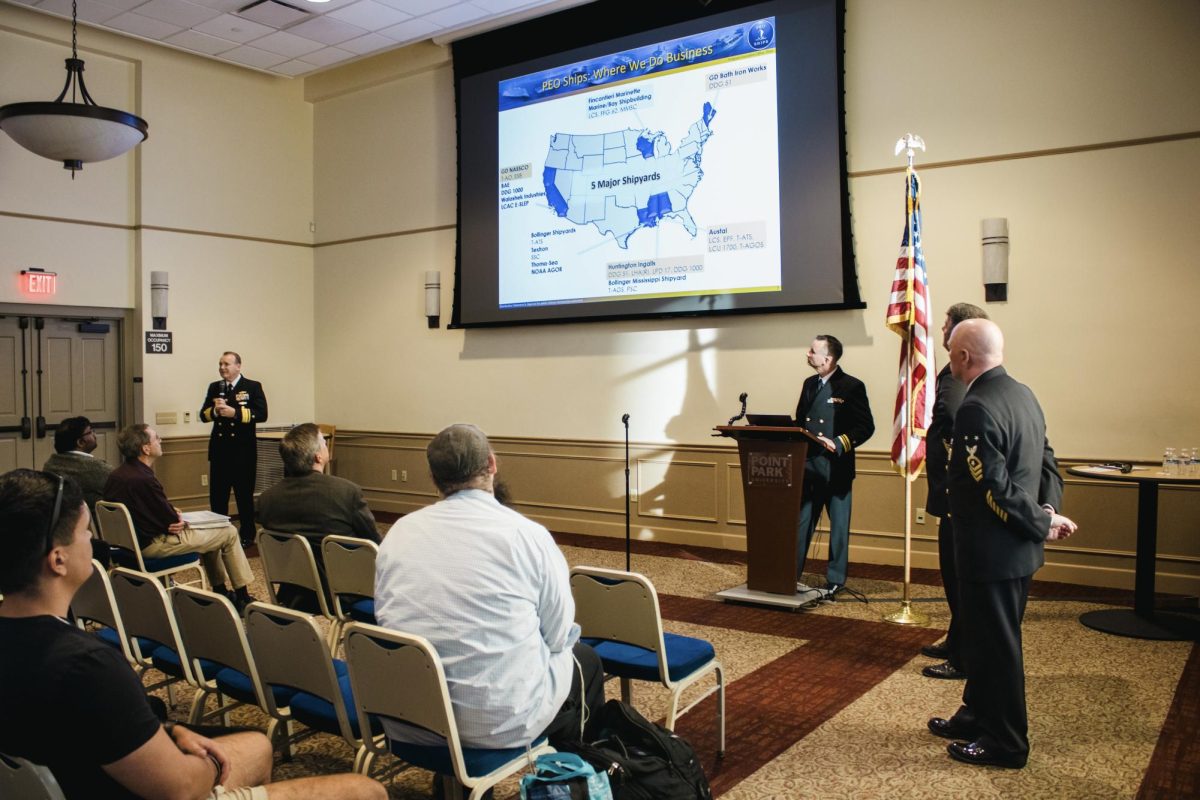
[(908, 315)]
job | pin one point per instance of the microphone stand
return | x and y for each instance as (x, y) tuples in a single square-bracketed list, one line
[(625, 422)]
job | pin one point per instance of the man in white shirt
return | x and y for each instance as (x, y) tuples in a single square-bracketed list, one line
[(489, 588)]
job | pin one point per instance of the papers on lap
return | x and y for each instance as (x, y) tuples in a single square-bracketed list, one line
[(204, 519)]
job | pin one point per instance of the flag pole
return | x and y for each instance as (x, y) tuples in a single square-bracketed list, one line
[(905, 615)]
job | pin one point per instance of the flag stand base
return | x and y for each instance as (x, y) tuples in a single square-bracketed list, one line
[(906, 616)]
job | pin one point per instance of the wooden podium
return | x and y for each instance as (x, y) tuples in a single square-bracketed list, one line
[(772, 460)]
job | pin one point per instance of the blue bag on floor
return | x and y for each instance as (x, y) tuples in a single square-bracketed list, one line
[(564, 776)]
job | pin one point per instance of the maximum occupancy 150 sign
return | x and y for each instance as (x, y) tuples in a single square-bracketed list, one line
[(158, 342)]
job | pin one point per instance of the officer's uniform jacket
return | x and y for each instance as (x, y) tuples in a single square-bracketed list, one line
[(838, 410), (949, 396), (234, 435), (1002, 470)]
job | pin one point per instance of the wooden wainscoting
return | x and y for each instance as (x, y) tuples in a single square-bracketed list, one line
[(183, 471), (691, 494)]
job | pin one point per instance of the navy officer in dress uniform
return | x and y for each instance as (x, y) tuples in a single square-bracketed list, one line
[(950, 393), (833, 406), (1005, 489), (235, 405)]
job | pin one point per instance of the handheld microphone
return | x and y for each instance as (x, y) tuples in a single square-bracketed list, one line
[(625, 420), (224, 388)]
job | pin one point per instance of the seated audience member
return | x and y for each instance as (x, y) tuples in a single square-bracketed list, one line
[(74, 443), (160, 529), (72, 703), (489, 589), (309, 502)]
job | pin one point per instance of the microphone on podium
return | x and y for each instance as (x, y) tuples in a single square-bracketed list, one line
[(625, 420), (741, 414)]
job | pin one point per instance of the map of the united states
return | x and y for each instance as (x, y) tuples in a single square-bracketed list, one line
[(625, 180)]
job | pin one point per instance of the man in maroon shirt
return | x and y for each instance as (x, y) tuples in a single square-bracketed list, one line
[(160, 530)]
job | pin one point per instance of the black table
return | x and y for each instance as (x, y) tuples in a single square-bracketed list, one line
[(1143, 621)]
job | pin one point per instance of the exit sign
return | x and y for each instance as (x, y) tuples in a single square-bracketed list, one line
[(39, 281)]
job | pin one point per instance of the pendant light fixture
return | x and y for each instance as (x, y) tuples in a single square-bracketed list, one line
[(73, 132)]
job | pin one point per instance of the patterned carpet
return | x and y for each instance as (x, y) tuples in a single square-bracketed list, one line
[(831, 703)]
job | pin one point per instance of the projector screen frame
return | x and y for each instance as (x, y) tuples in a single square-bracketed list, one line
[(572, 29)]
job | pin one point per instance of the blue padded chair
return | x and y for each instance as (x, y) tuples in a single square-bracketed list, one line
[(94, 603), (116, 528), (350, 571), (27, 781), (288, 558), (400, 677), (291, 653), (619, 617), (212, 634), (150, 629)]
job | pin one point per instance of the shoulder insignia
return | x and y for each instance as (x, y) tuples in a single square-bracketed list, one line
[(974, 464)]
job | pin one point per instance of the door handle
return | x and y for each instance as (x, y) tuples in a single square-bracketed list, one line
[(41, 427), (26, 428)]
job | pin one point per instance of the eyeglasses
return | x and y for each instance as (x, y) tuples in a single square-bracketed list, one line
[(55, 514)]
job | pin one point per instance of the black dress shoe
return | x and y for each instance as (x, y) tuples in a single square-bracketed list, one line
[(939, 651), (946, 671), (952, 729), (984, 756)]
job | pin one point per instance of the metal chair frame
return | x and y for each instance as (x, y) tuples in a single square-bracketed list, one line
[(623, 607)]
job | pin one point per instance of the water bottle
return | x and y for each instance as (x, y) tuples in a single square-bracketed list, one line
[(1193, 470), (1169, 461)]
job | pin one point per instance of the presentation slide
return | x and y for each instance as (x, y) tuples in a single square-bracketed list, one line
[(647, 173)]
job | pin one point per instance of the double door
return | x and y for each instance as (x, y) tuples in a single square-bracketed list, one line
[(52, 368)]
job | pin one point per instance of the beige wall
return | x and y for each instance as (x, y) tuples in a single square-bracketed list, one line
[(220, 196), (239, 164), (1012, 100), (1098, 237)]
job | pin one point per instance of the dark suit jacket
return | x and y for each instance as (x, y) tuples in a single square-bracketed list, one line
[(317, 505), (1001, 472), (950, 393), (234, 436), (852, 422)]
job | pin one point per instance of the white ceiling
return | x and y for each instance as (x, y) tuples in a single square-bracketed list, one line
[(294, 37)]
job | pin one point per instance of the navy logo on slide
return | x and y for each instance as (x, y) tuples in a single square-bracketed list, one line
[(761, 34)]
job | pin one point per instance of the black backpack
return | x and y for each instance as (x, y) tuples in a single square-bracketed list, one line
[(644, 761)]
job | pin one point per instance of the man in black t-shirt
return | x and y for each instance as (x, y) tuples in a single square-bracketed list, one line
[(72, 703)]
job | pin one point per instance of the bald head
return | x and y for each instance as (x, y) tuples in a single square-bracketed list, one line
[(976, 345)]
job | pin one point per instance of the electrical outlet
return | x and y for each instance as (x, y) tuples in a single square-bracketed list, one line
[(404, 476), (393, 474), (204, 480), (920, 516), (187, 417)]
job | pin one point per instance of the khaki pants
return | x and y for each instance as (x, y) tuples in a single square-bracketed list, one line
[(245, 793), (219, 549)]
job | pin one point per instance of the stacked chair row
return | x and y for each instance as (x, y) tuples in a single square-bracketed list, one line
[(281, 662)]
